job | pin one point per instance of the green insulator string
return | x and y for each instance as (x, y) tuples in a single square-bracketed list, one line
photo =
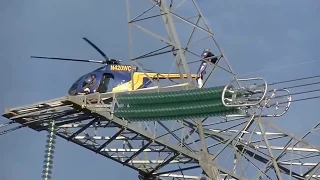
[(173, 105), (47, 167), (174, 111), (172, 96)]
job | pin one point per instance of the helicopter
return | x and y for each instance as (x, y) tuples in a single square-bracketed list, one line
[(113, 76)]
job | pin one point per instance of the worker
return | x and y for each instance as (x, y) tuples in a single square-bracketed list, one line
[(206, 54), (91, 84)]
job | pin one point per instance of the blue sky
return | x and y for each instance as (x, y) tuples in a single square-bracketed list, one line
[(255, 35)]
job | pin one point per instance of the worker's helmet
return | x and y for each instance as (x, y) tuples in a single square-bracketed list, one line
[(205, 52)]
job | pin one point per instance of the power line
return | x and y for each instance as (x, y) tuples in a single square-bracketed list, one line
[(302, 99), (302, 85), (298, 93), (296, 100), (293, 80), (296, 86), (278, 67), (281, 67)]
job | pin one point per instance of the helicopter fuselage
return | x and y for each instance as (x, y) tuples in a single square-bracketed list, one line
[(117, 78), (113, 76)]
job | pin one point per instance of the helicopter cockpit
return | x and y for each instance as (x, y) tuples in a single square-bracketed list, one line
[(89, 80), (92, 82)]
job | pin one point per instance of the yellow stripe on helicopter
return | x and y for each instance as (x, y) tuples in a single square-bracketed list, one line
[(138, 78)]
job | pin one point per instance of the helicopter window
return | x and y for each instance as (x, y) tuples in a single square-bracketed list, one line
[(73, 88), (106, 81), (88, 80)]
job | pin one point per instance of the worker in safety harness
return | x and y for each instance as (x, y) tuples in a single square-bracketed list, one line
[(206, 54)]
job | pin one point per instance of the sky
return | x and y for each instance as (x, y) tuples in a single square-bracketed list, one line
[(277, 40)]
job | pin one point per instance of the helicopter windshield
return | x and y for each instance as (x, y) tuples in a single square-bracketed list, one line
[(73, 88), (90, 81)]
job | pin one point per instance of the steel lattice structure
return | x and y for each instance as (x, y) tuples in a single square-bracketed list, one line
[(234, 147)]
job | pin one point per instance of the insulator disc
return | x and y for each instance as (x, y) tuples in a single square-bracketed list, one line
[(47, 161), (52, 147), (51, 141), (49, 151), (47, 166), (46, 177), (48, 156), (47, 172)]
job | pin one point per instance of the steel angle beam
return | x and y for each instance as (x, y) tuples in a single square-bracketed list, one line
[(256, 152), (37, 115), (148, 144)]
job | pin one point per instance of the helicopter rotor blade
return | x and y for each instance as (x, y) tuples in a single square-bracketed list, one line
[(96, 48), (68, 59)]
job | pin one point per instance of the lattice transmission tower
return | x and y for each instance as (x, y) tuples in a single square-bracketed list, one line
[(167, 36)]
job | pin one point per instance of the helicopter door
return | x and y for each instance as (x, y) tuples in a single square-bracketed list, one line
[(105, 83)]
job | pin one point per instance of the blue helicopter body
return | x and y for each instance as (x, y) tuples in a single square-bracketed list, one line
[(117, 78), (113, 76)]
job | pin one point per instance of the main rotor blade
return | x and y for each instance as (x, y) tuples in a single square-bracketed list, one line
[(95, 47), (68, 59)]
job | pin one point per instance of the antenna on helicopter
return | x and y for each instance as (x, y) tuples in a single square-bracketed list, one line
[(105, 61)]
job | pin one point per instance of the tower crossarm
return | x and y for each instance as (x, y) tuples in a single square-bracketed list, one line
[(96, 129)]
